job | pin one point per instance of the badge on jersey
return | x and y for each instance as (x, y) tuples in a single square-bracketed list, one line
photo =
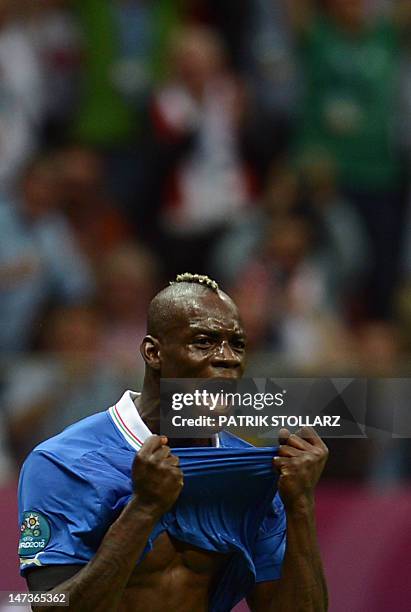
[(34, 533)]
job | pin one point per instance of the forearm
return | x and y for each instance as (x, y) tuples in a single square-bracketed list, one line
[(302, 587), (99, 586)]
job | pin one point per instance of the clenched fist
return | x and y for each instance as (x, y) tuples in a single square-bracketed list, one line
[(300, 462), (157, 478)]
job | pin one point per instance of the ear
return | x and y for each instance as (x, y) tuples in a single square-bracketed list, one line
[(150, 351)]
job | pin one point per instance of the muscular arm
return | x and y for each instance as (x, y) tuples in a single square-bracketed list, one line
[(99, 586), (302, 586)]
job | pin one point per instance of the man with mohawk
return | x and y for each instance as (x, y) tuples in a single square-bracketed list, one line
[(122, 519)]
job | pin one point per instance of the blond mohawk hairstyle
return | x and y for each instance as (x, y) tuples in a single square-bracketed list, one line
[(200, 279)]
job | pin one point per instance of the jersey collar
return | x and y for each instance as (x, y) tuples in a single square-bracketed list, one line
[(128, 421)]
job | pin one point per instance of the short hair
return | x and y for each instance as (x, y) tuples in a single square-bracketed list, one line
[(160, 313), (200, 279)]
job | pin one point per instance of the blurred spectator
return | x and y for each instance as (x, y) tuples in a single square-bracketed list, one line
[(380, 352), (378, 349), (7, 467), (197, 114), (342, 245), (404, 314), (124, 40), (56, 39), (273, 81), (347, 246), (406, 140), (40, 260), (351, 64), (284, 294), (21, 95), (123, 56), (271, 45), (128, 281), (62, 385), (96, 221), (246, 233)]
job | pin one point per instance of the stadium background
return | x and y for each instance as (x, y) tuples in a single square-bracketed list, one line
[(263, 142)]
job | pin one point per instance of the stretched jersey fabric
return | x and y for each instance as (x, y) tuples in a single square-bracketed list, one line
[(74, 486)]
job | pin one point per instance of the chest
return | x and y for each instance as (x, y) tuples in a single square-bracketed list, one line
[(168, 553)]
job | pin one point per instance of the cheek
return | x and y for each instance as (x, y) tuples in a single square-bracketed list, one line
[(183, 364)]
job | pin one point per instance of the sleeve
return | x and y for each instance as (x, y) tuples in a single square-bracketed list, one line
[(61, 518), (269, 550)]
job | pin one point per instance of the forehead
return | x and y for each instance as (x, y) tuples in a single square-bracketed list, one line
[(207, 311)]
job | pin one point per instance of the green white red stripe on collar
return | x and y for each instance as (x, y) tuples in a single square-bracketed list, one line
[(126, 418), (127, 433)]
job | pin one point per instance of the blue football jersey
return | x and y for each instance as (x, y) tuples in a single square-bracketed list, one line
[(73, 487)]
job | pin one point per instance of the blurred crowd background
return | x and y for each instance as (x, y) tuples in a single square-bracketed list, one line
[(265, 143)]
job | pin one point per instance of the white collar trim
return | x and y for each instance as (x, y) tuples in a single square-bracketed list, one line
[(128, 421)]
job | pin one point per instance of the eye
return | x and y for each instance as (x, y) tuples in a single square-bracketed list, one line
[(239, 344), (203, 341)]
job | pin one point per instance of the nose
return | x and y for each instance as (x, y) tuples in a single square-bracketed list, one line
[(226, 357)]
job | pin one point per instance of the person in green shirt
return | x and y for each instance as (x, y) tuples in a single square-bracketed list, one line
[(350, 65), (124, 46)]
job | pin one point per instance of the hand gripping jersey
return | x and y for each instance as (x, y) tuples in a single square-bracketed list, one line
[(74, 486)]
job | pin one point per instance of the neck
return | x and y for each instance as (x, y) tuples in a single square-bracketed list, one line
[(149, 401), (148, 406)]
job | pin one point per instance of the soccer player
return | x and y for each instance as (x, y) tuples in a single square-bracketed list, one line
[(115, 518)]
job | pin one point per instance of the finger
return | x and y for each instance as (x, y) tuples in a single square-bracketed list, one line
[(310, 435), (173, 460), (161, 453), (152, 444), (280, 462), (289, 451), (176, 470), (297, 442), (282, 465), (283, 435)]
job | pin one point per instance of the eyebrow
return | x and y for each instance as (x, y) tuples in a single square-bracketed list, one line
[(215, 331)]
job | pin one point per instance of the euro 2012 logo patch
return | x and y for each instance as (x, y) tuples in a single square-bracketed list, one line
[(34, 533)]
